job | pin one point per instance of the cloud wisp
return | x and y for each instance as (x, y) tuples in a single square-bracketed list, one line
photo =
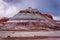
[(56, 17), (6, 10)]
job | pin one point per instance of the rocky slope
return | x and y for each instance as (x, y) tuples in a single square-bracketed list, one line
[(31, 19)]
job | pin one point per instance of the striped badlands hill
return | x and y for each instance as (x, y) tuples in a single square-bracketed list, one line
[(30, 20)]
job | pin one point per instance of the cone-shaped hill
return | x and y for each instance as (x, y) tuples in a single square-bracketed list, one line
[(30, 19)]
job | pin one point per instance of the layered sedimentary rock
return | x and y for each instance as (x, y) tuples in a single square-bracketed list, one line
[(4, 19), (57, 21), (30, 19)]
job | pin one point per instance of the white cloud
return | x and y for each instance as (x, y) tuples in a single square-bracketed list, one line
[(6, 10), (11, 11), (2, 8), (56, 17)]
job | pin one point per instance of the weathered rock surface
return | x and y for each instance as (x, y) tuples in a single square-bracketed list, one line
[(30, 19)]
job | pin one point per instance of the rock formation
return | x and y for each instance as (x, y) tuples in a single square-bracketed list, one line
[(4, 19), (31, 19)]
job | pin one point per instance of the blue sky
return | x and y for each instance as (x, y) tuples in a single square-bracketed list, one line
[(9, 8)]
